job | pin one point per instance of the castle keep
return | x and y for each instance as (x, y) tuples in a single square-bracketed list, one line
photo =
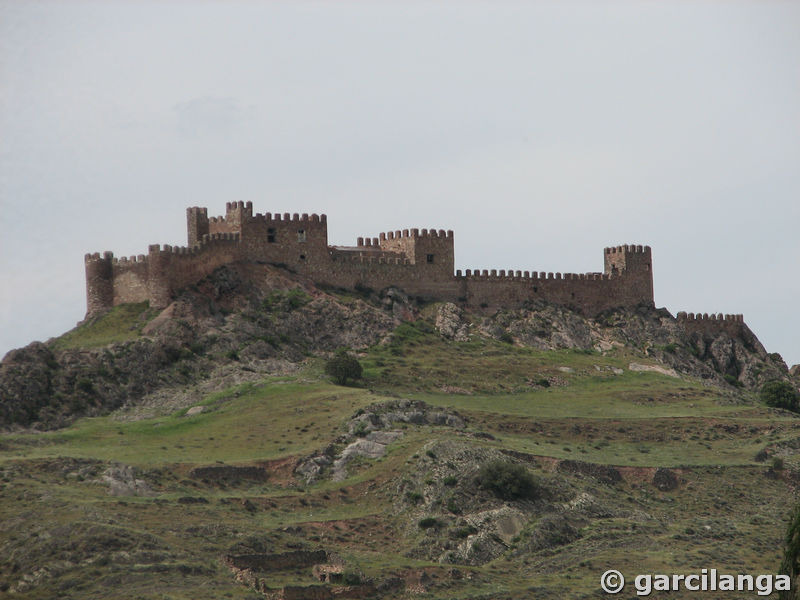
[(419, 261)]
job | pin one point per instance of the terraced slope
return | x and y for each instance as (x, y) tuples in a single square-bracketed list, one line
[(269, 487)]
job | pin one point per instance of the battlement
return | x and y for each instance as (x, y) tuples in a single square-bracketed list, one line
[(529, 275), (293, 218), (420, 261), (711, 325), (630, 248), (683, 316)]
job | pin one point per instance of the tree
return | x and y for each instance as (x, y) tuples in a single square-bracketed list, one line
[(780, 394), (343, 367), (507, 480)]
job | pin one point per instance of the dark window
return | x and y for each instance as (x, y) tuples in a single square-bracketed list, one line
[(535, 289), (429, 258), (271, 235), (301, 235)]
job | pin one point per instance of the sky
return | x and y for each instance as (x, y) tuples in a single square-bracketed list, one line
[(540, 132)]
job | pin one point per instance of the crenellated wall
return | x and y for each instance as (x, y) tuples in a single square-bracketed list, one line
[(419, 261), (713, 324)]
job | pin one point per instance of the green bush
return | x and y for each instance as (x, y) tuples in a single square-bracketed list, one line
[(733, 380), (414, 497), (507, 480), (428, 522), (343, 367), (780, 394), (351, 577), (464, 532)]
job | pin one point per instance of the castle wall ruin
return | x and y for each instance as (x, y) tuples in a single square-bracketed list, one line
[(419, 261)]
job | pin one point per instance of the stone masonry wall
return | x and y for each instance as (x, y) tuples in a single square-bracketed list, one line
[(420, 262), (711, 325)]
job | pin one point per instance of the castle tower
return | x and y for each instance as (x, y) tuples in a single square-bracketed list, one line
[(196, 224), (635, 265), (99, 282)]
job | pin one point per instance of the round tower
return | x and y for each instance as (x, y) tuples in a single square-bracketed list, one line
[(99, 282)]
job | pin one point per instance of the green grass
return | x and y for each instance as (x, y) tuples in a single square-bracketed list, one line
[(253, 421), (726, 514), (121, 324)]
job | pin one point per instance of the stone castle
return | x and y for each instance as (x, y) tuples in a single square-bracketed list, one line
[(419, 261)]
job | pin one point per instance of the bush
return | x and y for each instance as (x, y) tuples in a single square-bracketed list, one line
[(343, 367), (428, 522), (351, 577), (507, 480), (780, 394), (414, 497), (733, 380)]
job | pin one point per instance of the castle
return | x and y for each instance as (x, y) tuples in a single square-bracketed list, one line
[(421, 262)]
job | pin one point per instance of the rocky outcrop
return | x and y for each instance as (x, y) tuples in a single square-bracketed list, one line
[(739, 360), (122, 481), (369, 433), (450, 322), (245, 321), (253, 316)]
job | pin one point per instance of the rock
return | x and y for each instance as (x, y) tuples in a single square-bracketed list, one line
[(363, 447), (121, 481), (652, 368), (195, 410), (385, 437), (450, 323)]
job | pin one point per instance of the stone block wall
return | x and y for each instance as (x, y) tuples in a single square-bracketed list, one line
[(709, 326), (421, 262)]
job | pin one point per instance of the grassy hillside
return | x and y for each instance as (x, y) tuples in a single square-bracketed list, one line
[(64, 535)]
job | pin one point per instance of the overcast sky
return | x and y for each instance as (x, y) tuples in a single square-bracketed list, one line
[(539, 132)]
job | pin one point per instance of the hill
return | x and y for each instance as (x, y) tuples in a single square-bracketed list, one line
[(200, 452)]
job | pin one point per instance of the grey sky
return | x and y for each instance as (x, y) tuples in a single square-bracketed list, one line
[(538, 132)]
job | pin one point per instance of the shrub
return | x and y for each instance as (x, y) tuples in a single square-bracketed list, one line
[(506, 480), (464, 532), (733, 380), (777, 463), (343, 367), (351, 577), (428, 522), (453, 506), (780, 394), (414, 497), (450, 480)]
